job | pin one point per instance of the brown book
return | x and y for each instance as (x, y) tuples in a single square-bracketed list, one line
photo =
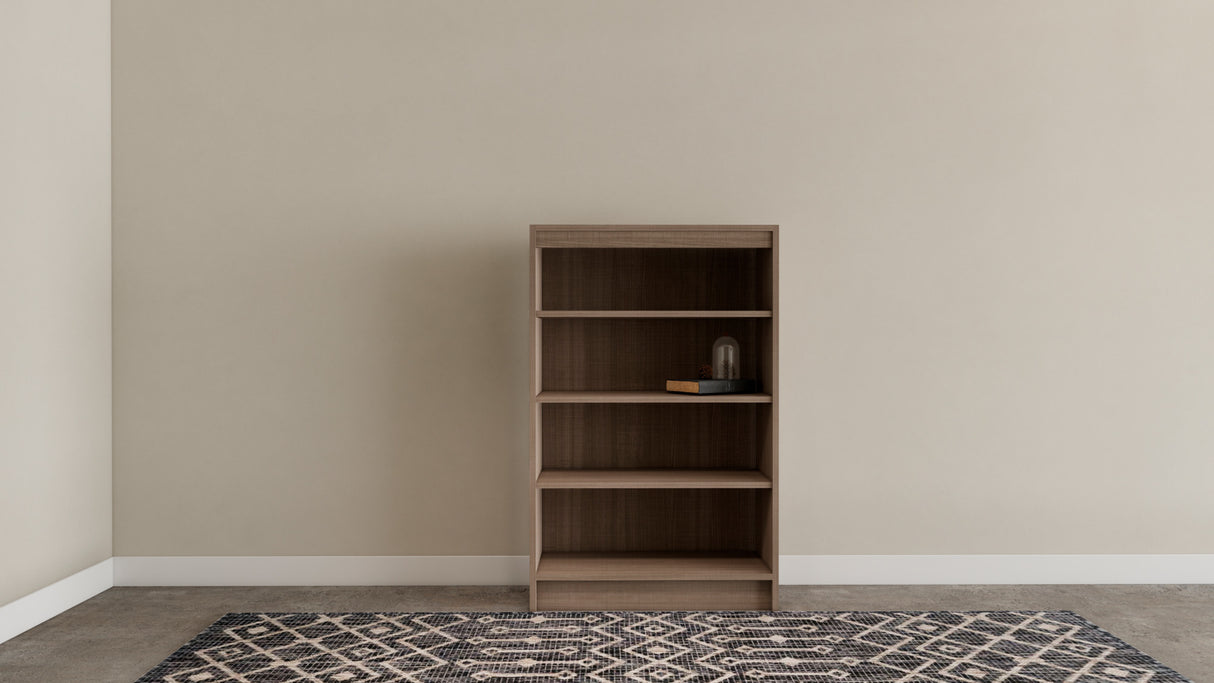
[(710, 386)]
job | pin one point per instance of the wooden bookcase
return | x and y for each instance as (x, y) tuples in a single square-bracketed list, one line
[(642, 499)]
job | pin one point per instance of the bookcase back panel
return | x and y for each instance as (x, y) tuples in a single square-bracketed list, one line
[(678, 520), (594, 354), (654, 279), (630, 436)]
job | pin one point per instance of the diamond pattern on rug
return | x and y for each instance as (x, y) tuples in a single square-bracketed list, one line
[(660, 647)]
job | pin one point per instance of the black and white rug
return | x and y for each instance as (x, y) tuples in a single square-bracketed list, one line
[(660, 647)]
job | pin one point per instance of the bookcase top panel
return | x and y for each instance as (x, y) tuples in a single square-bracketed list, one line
[(654, 236)]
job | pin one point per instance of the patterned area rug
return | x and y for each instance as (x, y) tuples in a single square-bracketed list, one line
[(660, 647)]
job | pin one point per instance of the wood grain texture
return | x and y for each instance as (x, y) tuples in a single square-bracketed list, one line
[(652, 279), (644, 499), (535, 416), (635, 520), (638, 355), (653, 479), (640, 239), (647, 436), (652, 567), (651, 227), (646, 397), (654, 314), (654, 595), (769, 364)]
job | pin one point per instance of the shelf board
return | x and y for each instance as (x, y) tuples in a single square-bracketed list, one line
[(645, 397), (652, 567), (653, 314), (653, 479)]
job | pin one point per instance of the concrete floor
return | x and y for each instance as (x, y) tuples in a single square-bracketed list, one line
[(119, 635)]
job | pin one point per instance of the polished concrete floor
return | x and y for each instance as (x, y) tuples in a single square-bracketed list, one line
[(119, 635)]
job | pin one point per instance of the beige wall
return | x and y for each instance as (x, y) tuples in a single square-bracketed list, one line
[(997, 234), (54, 291)]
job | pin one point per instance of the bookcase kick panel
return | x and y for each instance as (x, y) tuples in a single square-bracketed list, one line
[(640, 498)]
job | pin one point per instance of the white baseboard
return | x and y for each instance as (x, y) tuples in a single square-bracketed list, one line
[(490, 570), (487, 570), (428, 570), (993, 569), (22, 614)]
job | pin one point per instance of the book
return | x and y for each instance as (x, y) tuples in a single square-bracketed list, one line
[(711, 386)]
